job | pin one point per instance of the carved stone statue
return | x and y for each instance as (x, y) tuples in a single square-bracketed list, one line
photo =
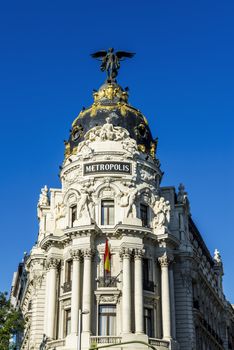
[(60, 210), (43, 199), (111, 61), (128, 199), (162, 215), (85, 201), (217, 256), (43, 342)]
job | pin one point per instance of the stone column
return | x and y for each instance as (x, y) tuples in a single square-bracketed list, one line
[(165, 296), (51, 307), (86, 304), (126, 290), (138, 289), (47, 292), (172, 298), (75, 297)]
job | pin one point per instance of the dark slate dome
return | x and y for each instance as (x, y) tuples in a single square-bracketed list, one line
[(111, 101)]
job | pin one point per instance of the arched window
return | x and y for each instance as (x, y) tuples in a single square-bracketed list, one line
[(144, 215), (73, 214)]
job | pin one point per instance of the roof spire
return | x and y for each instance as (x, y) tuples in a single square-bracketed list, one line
[(111, 62)]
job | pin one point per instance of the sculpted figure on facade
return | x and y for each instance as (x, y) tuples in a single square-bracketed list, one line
[(128, 199), (161, 210), (85, 208), (217, 257), (60, 211), (43, 199)]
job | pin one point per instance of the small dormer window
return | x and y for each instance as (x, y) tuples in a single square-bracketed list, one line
[(73, 214), (144, 215), (107, 212)]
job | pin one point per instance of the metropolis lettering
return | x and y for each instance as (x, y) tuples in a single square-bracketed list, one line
[(107, 167)]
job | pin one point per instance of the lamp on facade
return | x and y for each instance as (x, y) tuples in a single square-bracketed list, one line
[(80, 313)]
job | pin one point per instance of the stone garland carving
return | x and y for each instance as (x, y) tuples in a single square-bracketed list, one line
[(43, 198), (161, 210), (37, 278)]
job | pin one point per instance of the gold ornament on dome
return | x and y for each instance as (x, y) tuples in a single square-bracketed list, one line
[(110, 91), (152, 149), (67, 149), (141, 148)]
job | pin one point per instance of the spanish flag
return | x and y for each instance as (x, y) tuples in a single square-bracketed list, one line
[(107, 256)]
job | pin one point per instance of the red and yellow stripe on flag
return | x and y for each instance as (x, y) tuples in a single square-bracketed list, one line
[(107, 267)]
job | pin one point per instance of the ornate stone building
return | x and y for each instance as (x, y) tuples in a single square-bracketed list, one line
[(164, 288)]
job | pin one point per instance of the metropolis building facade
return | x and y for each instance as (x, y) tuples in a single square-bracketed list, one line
[(164, 288)]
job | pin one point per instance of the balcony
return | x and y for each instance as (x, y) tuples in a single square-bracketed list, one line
[(97, 340), (148, 285), (67, 287), (159, 342), (107, 281), (108, 339)]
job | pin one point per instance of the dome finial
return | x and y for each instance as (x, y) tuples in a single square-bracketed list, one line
[(111, 62)]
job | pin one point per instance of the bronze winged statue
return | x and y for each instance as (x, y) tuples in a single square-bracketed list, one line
[(111, 61)]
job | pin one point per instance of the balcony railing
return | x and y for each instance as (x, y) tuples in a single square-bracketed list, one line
[(159, 342), (108, 339), (67, 287), (107, 281), (148, 285), (54, 344)]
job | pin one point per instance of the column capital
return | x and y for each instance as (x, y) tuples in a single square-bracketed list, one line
[(165, 260), (88, 253), (76, 254), (52, 263), (138, 254), (125, 253)]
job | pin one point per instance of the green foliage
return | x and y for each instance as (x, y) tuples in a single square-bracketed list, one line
[(11, 321)]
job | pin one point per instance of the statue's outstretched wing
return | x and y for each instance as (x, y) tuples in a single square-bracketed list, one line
[(99, 54), (124, 54)]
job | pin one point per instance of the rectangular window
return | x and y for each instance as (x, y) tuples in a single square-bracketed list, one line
[(69, 271), (107, 214), (67, 322), (107, 320), (73, 214), (148, 322), (148, 283), (144, 215)]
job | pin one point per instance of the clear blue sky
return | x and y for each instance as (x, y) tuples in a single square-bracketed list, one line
[(182, 79)]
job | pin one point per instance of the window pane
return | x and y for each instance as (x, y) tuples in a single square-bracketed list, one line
[(107, 320), (144, 214), (67, 322), (107, 212), (73, 214), (69, 271), (111, 216), (148, 322)]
